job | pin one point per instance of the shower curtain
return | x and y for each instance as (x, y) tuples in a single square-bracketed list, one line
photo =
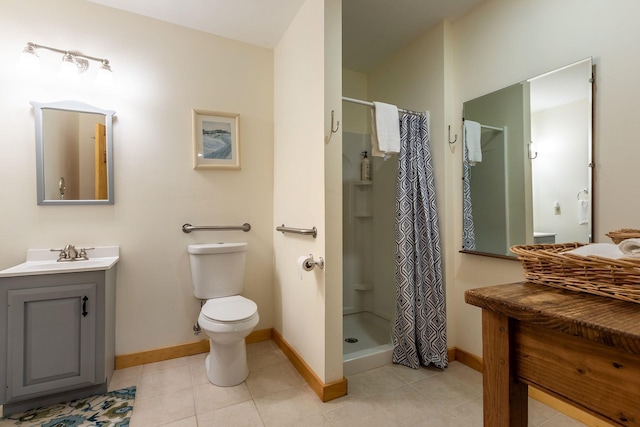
[(419, 335), (468, 232)]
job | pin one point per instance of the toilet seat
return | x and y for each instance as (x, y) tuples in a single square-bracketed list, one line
[(235, 308)]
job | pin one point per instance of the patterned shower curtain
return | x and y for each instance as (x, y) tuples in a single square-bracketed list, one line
[(419, 335)]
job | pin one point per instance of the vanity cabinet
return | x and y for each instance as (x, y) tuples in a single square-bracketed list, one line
[(57, 337)]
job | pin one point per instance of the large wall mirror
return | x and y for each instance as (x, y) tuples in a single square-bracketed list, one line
[(533, 182), (74, 153)]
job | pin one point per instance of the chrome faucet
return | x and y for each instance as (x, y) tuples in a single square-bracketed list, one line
[(70, 253)]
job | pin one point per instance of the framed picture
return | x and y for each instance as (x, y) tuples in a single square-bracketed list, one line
[(216, 140)]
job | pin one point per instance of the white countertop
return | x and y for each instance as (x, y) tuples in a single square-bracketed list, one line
[(44, 261)]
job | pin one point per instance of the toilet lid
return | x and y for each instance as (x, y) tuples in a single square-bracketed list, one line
[(229, 309)]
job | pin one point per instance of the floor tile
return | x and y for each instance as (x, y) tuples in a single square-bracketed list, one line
[(164, 365), (360, 412), (261, 355), (273, 379), (243, 414), (198, 369), (163, 409), (209, 397), (406, 406), (377, 380), (287, 407), (445, 390), (159, 382)]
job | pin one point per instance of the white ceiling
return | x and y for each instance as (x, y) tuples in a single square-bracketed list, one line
[(258, 22), (372, 29)]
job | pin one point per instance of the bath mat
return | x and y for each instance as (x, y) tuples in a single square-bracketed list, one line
[(112, 409)]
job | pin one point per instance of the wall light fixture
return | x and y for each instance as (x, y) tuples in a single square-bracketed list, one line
[(73, 63)]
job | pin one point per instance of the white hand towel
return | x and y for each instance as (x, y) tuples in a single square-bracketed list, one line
[(583, 211), (606, 250), (385, 132), (630, 247), (472, 137)]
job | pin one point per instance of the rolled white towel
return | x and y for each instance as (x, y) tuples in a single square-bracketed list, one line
[(606, 250), (630, 247)]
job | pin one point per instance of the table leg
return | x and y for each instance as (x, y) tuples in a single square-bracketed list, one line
[(504, 397)]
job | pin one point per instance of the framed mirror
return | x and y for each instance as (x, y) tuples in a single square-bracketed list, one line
[(74, 153), (527, 163)]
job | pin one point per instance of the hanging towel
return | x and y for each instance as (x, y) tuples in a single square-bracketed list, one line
[(472, 137), (385, 130), (583, 211)]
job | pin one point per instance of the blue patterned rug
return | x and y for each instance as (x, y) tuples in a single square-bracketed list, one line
[(112, 409)]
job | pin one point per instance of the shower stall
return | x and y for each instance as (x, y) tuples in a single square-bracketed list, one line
[(369, 256)]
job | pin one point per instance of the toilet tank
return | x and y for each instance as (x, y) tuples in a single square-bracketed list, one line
[(217, 269)]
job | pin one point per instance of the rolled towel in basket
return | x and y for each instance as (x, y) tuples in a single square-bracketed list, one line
[(606, 250), (630, 247)]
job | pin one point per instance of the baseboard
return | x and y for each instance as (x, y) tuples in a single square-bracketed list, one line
[(466, 358), (324, 391), (182, 350), (475, 362)]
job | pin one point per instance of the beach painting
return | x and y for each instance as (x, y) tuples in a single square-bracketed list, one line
[(215, 142)]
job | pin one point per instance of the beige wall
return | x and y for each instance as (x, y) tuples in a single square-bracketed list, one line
[(162, 71), (308, 305), (333, 190), (493, 48)]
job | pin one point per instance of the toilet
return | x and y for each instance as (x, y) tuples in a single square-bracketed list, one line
[(217, 274)]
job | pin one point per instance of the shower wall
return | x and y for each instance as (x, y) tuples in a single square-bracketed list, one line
[(368, 230)]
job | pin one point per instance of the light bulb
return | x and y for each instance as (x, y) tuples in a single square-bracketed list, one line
[(104, 76), (68, 68), (29, 62)]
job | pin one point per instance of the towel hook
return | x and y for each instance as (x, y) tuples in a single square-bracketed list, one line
[(449, 139), (332, 130)]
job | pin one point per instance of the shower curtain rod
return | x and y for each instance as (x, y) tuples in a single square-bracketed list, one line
[(370, 104)]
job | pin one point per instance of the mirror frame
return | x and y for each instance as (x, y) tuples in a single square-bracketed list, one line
[(78, 107)]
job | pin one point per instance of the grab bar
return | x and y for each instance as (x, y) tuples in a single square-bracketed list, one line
[(307, 231), (188, 228)]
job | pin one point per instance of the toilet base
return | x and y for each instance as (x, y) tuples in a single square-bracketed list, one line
[(226, 363)]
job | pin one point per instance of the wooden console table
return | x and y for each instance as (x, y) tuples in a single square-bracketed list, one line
[(581, 348)]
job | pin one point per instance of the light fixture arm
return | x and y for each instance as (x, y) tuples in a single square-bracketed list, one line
[(74, 54), (79, 59)]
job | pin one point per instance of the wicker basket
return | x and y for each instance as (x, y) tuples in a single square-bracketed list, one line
[(623, 234), (548, 265)]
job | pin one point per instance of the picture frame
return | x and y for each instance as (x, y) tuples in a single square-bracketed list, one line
[(216, 140)]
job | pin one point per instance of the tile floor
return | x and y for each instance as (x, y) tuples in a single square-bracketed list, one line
[(176, 393)]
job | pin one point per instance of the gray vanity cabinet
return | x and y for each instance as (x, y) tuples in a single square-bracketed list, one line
[(58, 338)]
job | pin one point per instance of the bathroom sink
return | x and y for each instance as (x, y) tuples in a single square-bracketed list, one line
[(44, 261)]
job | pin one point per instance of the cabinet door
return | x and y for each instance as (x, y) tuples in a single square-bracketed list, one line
[(51, 336)]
